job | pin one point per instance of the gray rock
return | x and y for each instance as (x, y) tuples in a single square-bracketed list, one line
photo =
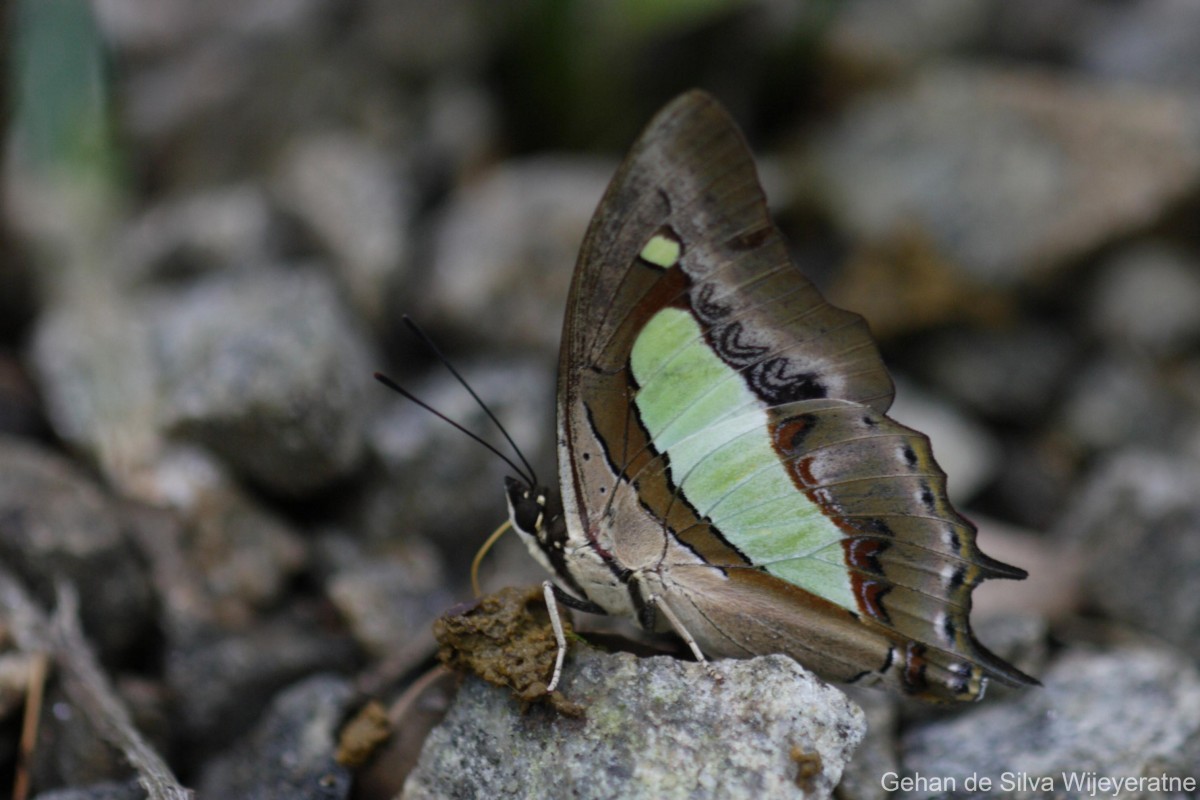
[(1147, 42), (418, 37), (56, 524), (268, 371), (388, 599), (223, 681), (289, 756), (225, 227), (97, 791), (71, 751), (1040, 29), (897, 33), (458, 134), (263, 69), (1146, 297), (1132, 711), (243, 554), (359, 204), (1009, 374), (876, 754), (95, 368), (1119, 399), (509, 241), (439, 483), (20, 407), (1137, 523), (218, 559), (653, 727), (1010, 172), (149, 27), (1036, 477)]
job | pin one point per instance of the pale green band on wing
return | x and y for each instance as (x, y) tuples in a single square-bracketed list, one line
[(661, 251), (714, 438)]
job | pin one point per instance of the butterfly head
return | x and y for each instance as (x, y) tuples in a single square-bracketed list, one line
[(526, 507)]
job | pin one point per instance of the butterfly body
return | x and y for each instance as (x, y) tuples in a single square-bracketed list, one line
[(726, 466)]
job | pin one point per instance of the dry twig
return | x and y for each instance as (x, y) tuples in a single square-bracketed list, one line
[(83, 680)]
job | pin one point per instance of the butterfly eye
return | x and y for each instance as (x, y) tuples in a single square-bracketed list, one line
[(527, 514)]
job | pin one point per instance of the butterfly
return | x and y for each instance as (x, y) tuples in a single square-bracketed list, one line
[(726, 467)]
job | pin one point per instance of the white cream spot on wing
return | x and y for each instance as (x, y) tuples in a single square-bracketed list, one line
[(661, 251)]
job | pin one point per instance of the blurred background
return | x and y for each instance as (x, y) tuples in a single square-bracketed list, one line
[(215, 214)]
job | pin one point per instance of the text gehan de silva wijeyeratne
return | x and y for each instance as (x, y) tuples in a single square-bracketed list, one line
[(1079, 784)]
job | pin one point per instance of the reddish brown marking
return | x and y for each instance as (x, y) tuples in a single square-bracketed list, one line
[(870, 597), (787, 439), (788, 434), (914, 668), (801, 470), (863, 554)]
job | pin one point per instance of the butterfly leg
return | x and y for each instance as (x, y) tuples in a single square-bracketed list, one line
[(658, 603), (560, 638), (554, 597)]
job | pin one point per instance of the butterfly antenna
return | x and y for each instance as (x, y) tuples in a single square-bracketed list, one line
[(395, 387), (446, 362)]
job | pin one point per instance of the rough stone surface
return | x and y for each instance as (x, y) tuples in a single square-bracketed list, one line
[(267, 371), (1010, 172), (243, 553), (1148, 43), (356, 201), (1125, 712), (1118, 400), (506, 242), (389, 599), (289, 755), (894, 34), (1137, 521), (654, 727), (71, 750), (877, 754), (1147, 298), (991, 371), (228, 227), (95, 368), (223, 682), (20, 409), (56, 524), (97, 791)]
